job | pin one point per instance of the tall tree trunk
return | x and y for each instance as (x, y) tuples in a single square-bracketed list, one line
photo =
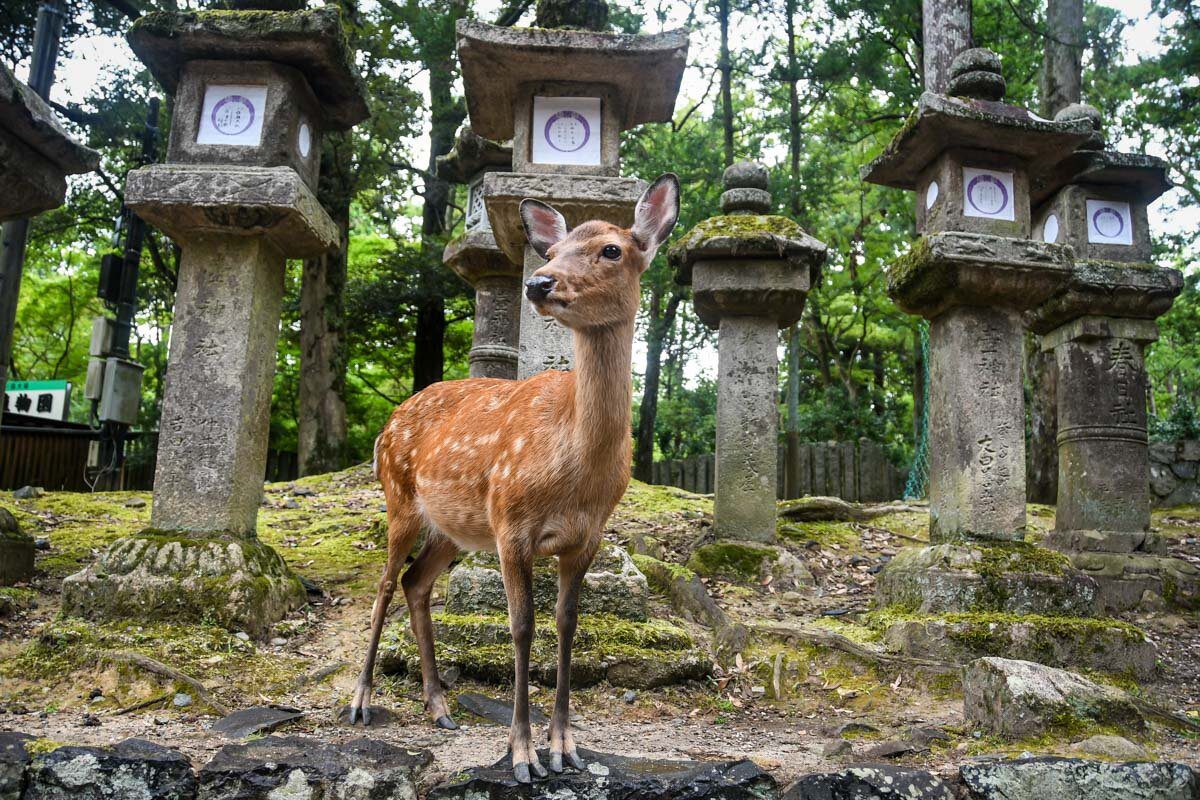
[(946, 32), (1061, 80), (656, 337), (793, 79), (446, 114), (726, 67)]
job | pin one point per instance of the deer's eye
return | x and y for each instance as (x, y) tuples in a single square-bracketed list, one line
[(611, 251)]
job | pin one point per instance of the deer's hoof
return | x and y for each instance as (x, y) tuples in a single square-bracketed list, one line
[(575, 761), (521, 773), (445, 723)]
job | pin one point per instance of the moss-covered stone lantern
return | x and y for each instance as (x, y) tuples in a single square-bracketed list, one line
[(254, 93), (750, 273), (563, 97), (477, 259)]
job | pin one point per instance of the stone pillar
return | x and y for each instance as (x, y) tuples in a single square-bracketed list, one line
[(545, 344), (751, 273), (747, 428), (237, 195), (497, 327), (976, 425)]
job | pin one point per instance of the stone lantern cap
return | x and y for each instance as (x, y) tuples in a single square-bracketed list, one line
[(35, 152), (949, 269), (472, 154), (753, 262), (579, 198), (1108, 289), (474, 254), (311, 42), (1143, 177), (496, 61), (942, 122)]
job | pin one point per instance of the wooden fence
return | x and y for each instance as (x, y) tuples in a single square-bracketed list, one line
[(859, 472), (56, 459)]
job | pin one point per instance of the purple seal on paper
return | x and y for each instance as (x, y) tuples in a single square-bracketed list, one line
[(567, 131), (233, 114), (987, 194), (1108, 222)]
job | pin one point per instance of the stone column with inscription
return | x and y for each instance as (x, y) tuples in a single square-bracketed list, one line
[(477, 259), (750, 273), (563, 97), (1098, 327), (254, 93), (36, 155), (973, 272)]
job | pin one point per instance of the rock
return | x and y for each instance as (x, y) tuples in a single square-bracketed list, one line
[(282, 768), (303, 491), (41, 543), (28, 493), (1102, 645), (380, 717), (748, 562), (854, 728), (89, 721), (498, 712), (135, 502), (870, 783), (278, 641), (892, 748), (16, 551), (132, 768), (14, 757), (838, 747), (611, 776), (245, 637), (790, 572), (629, 697), (255, 719), (1073, 779), (181, 700), (1122, 579), (613, 585), (1021, 698), (1116, 748)]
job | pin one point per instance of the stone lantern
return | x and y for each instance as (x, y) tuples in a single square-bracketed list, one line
[(255, 92), (971, 273), (563, 97), (36, 154), (1098, 327), (750, 273), (477, 259)]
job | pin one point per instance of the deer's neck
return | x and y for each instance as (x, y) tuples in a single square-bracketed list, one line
[(603, 395)]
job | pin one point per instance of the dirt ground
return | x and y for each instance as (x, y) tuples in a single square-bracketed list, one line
[(784, 704)]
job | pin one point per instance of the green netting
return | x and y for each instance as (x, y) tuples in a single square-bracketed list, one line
[(918, 471)]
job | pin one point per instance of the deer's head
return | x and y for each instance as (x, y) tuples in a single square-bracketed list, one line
[(592, 274)]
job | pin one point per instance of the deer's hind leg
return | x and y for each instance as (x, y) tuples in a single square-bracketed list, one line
[(418, 581), (404, 525), (571, 570)]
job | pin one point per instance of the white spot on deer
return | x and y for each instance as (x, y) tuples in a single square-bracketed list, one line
[(518, 444)]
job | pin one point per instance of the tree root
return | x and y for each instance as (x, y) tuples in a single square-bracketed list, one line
[(833, 509), (836, 641), (159, 668)]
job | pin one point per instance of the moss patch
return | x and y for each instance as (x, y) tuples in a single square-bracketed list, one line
[(659, 574), (736, 562)]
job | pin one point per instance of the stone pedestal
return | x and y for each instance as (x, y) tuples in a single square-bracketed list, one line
[(545, 344), (497, 327), (751, 273)]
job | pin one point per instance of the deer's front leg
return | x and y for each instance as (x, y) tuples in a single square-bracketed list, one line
[(571, 569), (516, 567)]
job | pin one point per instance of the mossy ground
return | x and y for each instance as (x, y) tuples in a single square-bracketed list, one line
[(737, 562)]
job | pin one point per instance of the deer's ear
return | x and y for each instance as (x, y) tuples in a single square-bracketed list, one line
[(656, 213), (544, 227)]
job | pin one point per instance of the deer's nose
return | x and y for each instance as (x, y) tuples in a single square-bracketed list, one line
[(538, 287)]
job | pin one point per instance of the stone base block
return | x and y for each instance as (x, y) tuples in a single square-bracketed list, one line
[(239, 584), (1130, 581), (1080, 643), (613, 776), (613, 585), (1073, 778), (16, 556), (637, 655), (132, 768), (1010, 577), (1106, 542)]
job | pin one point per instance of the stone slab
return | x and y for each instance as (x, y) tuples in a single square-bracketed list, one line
[(1021, 698), (613, 585), (132, 768), (498, 61), (1107, 289), (255, 719), (1079, 643), (1141, 542), (1013, 577), (240, 584), (579, 198), (14, 758), (942, 270), (311, 41), (870, 782), (940, 122), (187, 200), (613, 777), (1122, 580), (1073, 778), (278, 767)]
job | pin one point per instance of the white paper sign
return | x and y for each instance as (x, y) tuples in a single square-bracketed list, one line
[(1109, 222), (566, 130), (232, 115), (988, 193)]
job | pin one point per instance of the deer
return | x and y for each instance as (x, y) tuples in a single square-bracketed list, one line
[(523, 468)]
